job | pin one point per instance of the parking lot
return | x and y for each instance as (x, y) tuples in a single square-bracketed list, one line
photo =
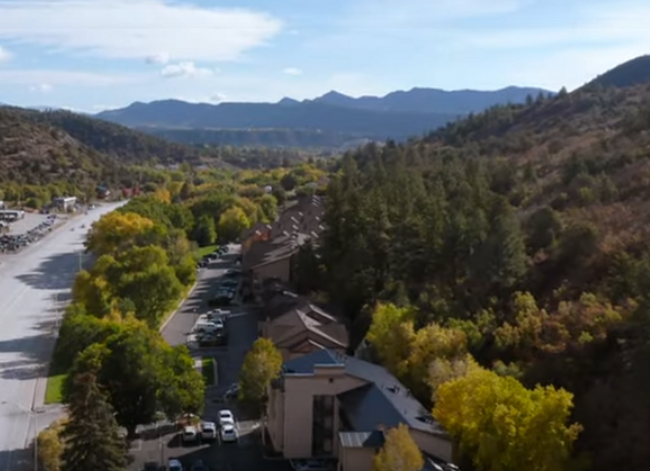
[(160, 445), (27, 230)]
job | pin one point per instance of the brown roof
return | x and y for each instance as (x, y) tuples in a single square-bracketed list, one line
[(304, 321)]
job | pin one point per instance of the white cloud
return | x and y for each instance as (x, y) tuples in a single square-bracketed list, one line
[(136, 29), (5, 56), (217, 98), (64, 78), (292, 71), (185, 69), (161, 58), (41, 88)]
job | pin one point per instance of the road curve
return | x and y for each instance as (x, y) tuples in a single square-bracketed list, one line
[(33, 285)]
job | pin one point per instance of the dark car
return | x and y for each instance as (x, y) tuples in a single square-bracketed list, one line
[(219, 301), (151, 466), (198, 465)]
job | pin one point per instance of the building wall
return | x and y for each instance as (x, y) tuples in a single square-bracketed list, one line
[(356, 459), (433, 444), (280, 269), (297, 405)]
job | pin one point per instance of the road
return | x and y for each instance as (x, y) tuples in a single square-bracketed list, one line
[(32, 282), (242, 332)]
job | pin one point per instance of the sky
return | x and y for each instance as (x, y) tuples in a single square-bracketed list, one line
[(91, 55)]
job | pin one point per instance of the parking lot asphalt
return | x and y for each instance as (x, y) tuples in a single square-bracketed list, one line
[(160, 445), (29, 222)]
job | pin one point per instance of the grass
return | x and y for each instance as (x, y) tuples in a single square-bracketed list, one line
[(54, 387), (207, 367), (203, 251)]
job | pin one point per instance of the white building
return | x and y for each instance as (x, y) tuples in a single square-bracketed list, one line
[(64, 203)]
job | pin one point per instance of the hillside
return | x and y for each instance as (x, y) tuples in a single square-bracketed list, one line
[(126, 145), (633, 72), (333, 121), (36, 153), (525, 228), (279, 138)]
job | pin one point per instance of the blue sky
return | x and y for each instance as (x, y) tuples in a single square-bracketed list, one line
[(96, 54)]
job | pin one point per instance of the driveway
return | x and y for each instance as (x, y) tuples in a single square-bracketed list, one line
[(158, 445)]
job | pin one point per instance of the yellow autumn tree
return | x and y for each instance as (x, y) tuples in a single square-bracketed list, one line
[(117, 231), (231, 223), (50, 446), (392, 336), (262, 365), (399, 453), (163, 195), (433, 343), (503, 426)]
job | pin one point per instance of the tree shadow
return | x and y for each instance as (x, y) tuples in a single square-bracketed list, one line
[(55, 273), (17, 459)]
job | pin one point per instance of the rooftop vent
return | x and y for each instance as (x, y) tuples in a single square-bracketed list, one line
[(394, 388)]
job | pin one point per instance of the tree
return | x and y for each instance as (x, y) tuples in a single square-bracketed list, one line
[(503, 426), (141, 375), (392, 335), (205, 232), (399, 453), (117, 231), (50, 447), (91, 434), (262, 365), (231, 223)]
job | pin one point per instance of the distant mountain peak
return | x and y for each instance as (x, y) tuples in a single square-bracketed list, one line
[(286, 101)]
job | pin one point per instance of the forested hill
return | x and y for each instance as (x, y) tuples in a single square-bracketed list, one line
[(525, 227), (32, 152)]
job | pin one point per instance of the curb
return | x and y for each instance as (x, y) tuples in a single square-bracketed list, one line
[(216, 371), (180, 303)]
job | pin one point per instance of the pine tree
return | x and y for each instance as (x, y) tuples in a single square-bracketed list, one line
[(92, 434)]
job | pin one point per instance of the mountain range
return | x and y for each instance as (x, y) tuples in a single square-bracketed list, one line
[(333, 120)]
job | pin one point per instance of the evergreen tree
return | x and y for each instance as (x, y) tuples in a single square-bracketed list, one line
[(92, 434)]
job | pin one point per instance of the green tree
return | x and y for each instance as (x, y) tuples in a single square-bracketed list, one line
[(503, 426), (91, 434), (262, 365), (141, 375), (205, 232), (231, 224), (399, 453)]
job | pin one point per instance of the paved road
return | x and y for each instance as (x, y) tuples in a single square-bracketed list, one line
[(32, 282), (242, 332)]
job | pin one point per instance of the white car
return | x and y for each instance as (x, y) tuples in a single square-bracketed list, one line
[(208, 327), (174, 465), (190, 434), (228, 433), (226, 418), (208, 431)]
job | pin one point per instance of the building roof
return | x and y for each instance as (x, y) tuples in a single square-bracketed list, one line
[(270, 251), (374, 439), (306, 321), (383, 401)]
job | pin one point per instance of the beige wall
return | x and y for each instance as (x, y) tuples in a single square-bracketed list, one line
[(356, 459), (280, 269), (298, 401), (433, 444)]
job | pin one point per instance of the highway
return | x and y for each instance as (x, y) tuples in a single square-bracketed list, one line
[(34, 284)]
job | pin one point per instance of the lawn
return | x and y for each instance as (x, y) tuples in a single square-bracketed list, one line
[(203, 251), (54, 388), (207, 367)]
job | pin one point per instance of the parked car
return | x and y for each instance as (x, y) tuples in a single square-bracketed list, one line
[(313, 465), (226, 417), (208, 431), (198, 465), (232, 392), (190, 434), (174, 465), (151, 466), (229, 433), (213, 339), (219, 301)]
